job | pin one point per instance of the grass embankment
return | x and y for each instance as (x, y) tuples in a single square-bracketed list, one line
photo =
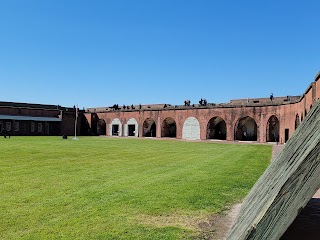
[(98, 188)]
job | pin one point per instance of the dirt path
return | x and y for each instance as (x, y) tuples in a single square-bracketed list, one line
[(222, 223), (276, 149)]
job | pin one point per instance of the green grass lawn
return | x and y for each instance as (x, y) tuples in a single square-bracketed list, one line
[(113, 188)]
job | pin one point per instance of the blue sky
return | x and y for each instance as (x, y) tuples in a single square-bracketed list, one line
[(98, 53)]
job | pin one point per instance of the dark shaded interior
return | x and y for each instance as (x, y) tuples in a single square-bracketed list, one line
[(169, 128), (101, 127), (149, 128), (297, 122), (246, 130), (306, 224), (273, 129), (131, 130), (115, 130), (216, 129)]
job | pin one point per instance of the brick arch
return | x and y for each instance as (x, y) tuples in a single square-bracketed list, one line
[(149, 127), (123, 120), (131, 128), (115, 127), (216, 128), (272, 129), (169, 127), (246, 129)]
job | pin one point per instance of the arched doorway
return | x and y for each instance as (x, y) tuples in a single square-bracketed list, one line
[(246, 129), (101, 127), (131, 128), (115, 128), (273, 129), (297, 122), (169, 128), (191, 129), (149, 128), (216, 129)]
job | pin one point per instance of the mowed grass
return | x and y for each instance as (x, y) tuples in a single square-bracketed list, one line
[(113, 188)]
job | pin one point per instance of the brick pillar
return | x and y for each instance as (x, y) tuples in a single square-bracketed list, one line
[(230, 125), (261, 129), (159, 127)]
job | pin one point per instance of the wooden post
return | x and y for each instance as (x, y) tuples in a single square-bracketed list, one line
[(285, 187)]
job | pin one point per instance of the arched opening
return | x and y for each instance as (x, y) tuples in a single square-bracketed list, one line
[(169, 128), (149, 128), (246, 129), (131, 128), (191, 129), (273, 129), (101, 127), (216, 129), (115, 128), (297, 122)]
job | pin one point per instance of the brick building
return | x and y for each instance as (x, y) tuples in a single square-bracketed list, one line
[(260, 119), (38, 119)]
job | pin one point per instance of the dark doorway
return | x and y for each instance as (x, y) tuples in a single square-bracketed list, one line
[(131, 130), (47, 128), (246, 129), (273, 129), (216, 129), (149, 128), (286, 135), (115, 130), (169, 128), (101, 127), (297, 122)]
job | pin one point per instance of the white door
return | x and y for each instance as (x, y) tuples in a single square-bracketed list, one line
[(191, 129)]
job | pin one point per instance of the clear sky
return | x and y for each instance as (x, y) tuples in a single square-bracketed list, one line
[(98, 53)]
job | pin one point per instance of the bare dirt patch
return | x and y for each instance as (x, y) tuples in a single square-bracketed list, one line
[(189, 222), (205, 227), (218, 225)]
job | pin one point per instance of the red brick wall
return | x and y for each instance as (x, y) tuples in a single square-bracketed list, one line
[(318, 89), (309, 98), (67, 124), (29, 112), (286, 115)]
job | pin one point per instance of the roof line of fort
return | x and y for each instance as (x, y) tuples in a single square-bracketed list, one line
[(249, 102)]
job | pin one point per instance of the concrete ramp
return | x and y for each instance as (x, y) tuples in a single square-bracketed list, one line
[(285, 187)]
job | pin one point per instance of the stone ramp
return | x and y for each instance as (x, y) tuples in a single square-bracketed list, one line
[(286, 186)]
